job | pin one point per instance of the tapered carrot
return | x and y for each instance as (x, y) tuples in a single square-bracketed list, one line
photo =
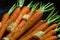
[(28, 16), (32, 21), (41, 28), (11, 19), (31, 12), (52, 38), (50, 33), (38, 24), (7, 15), (24, 10)]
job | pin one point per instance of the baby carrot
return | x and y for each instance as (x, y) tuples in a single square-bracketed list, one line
[(52, 38), (41, 28), (7, 15), (11, 19), (32, 21), (38, 24), (24, 10)]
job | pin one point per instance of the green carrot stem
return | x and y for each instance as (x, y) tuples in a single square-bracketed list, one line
[(46, 8), (11, 9), (49, 6), (58, 35), (20, 3), (53, 16), (30, 4), (34, 7), (57, 29), (49, 15), (50, 21)]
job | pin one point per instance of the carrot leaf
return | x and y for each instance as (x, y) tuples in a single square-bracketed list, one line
[(30, 4), (20, 3), (12, 9), (34, 7)]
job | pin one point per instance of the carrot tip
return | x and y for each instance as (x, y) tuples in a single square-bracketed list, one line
[(39, 34), (5, 38)]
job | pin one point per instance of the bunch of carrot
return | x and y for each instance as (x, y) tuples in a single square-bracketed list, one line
[(25, 22)]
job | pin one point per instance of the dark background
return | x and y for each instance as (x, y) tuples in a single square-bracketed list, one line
[(6, 4)]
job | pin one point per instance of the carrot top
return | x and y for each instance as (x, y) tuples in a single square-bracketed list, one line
[(51, 13), (34, 7), (46, 8), (20, 3), (53, 18), (12, 9), (30, 4)]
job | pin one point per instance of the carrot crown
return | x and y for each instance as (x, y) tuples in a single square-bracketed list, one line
[(53, 18), (30, 4), (20, 3), (47, 7), (57, 29), (12, 9), (34, 7), (58, 35)]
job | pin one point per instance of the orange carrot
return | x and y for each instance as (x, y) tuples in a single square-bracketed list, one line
[(52, 38), (38, 24), (24, 10), (49, 34), (7, 15), (53, 26), (41, 28), (20, 25), (28, 16), (11, 19), (31, 22)]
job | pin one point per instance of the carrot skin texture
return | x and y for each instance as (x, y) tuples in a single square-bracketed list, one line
[(12, 18), (5, 18), (0, 24), (49, 34), (13, 32), (31, 30), (52, 38), (40, 28), (53, 26), (23, 12), (35, 18)]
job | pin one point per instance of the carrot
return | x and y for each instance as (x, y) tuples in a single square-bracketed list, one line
[(24, 10), (51, 33), (38, 24), (7, 15), (11, 19), (32, 21), (32, 10), (28, 16), (42, 27), (52, 38)]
